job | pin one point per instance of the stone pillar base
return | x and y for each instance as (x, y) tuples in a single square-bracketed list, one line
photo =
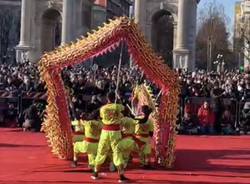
[(22, 53), (181, 59)]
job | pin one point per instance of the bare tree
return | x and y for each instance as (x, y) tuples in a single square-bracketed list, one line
[(212, 37)]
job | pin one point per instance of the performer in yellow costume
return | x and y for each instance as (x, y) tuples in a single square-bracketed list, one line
[(143, 129), (129, 143), (78, 134), (93, 129), (111, 115)]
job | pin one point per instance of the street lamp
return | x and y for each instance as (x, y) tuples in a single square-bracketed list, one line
[(219, 63), (209, 54), (209, 45)]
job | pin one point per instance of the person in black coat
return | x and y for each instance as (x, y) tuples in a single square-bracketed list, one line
[(32, 120)]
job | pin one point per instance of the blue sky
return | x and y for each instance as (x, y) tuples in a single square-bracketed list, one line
[(228, 6)]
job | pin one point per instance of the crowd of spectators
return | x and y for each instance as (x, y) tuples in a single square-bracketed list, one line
[(229, 84), (225, 98), (20, 78), (86, 88)]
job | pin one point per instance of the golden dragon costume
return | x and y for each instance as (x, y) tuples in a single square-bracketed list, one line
[(56, 124)]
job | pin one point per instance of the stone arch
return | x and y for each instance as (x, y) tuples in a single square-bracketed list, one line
[(51, 29), (162, 35), (173, 9)]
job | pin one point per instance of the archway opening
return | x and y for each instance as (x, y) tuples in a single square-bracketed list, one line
[(51, 30), (163, 35)]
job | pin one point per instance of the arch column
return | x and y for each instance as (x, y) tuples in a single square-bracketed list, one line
[(140, 14), (183, 53), (193, 35), (25, 43), (74, 14), (67, 21), (175, 33)]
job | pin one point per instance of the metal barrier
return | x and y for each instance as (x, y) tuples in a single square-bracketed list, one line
[(4, 106), (241, 107), (20, 102)]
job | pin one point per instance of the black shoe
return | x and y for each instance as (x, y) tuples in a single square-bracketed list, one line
[(74, 164), (123, 179), (95, 176)]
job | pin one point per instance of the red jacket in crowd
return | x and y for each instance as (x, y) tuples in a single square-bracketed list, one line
[(205, 116)]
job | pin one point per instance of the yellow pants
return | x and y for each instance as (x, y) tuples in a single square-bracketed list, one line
[(127, 145), (145, 151), (86, 147), (109, 142)]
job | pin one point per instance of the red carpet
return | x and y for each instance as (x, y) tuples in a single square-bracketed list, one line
[(25, 158)]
